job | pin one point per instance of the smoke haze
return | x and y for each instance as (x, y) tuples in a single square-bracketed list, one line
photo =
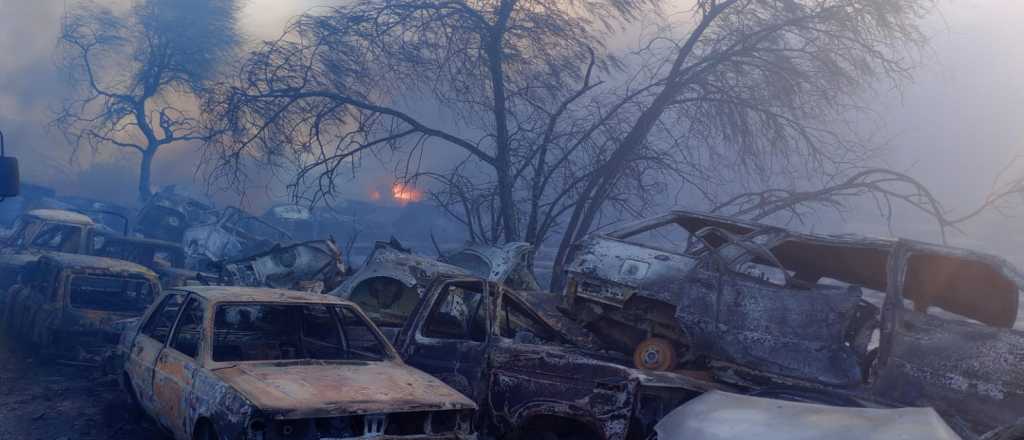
[(955, 127)]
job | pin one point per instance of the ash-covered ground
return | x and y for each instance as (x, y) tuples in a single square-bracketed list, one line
[(46, 401)]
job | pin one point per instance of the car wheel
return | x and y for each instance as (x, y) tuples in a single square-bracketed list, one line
[(657, 354)]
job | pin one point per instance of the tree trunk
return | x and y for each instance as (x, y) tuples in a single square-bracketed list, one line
[(495, 56), (145, 171)]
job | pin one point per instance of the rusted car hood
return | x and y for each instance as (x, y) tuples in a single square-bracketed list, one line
[(719, 416), (334, 389)]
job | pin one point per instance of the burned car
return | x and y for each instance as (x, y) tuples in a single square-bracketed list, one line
[(896, 322), (313, 266), (50, 230), (529, 378), (45, 230), (248, 363), (167, 214), (391, 282), (165, 258), (73, 307), (393, 278), (233, 234)]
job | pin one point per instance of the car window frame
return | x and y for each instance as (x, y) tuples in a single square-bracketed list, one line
[(200, 350), (487, 306), (390, 353), (559, 337), (154, 312)]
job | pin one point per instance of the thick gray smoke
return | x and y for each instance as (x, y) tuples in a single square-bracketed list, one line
[(954, 127)]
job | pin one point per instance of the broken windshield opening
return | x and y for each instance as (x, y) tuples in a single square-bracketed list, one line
[(58, 237), (110, 294), (278, 332)]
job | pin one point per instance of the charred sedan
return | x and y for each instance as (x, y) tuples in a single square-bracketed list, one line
[(73, 306), (248, 363)]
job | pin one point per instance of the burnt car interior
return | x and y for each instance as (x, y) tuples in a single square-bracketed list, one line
[(57, 237), (386, 300), (458, 313), (282, 332)]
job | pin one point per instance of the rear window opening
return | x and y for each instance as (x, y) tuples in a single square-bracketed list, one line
[(110, 294)]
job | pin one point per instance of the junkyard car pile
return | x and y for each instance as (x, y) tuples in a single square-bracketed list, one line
[(646, 340)]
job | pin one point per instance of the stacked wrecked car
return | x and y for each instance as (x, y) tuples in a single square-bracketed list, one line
[(891, 322)]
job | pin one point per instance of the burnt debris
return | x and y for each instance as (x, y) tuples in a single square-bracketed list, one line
[(218, 323)]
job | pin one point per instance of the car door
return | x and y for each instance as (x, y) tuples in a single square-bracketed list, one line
[(742, 307), (176, 367), (532, 369), (148, 344), (450, 341), (946, 357)]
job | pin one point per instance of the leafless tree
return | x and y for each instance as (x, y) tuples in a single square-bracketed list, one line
[(469, 80), (135, 75), (551, 133), (761, 79)]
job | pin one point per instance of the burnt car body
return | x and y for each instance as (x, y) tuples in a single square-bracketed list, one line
[(248, 363), (895, 322), (233, 234), (73, 306), (393, 279), (713, 416), (510, 264), (529, 378), (314, 266), (390, 284), (167, 214), (165, 258), (46, 230)]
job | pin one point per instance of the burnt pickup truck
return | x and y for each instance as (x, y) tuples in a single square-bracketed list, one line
[(73, 307), (893, 322), (528, 377)]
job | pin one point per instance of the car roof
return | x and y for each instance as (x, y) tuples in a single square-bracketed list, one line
[(95, 262), (62, 216), (225, 294)]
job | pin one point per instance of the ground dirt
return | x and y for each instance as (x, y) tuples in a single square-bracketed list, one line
[(49, 401)]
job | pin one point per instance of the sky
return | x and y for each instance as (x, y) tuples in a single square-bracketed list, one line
[(954, 126)]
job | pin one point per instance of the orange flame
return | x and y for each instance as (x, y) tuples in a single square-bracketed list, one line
[(404, 194)]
